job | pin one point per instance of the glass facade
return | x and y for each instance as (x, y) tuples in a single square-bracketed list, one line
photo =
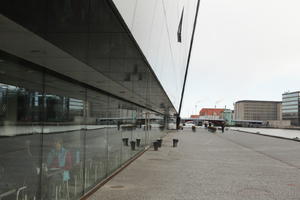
[(60, 138), (88, 42), (83, 89), (290, 107), (155, 25)]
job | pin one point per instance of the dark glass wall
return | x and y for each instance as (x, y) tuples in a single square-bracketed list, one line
[(21, 116), (73, 37), (77, 97), (58, 137)]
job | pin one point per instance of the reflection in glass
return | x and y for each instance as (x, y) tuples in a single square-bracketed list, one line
[(20, 128), (114, 135), (59, 138), (63, 137), (82, 133), (96, 139)]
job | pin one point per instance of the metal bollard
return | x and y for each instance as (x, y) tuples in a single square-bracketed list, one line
[(155, 145), (175, 142), (194, 128), (132, 144), (159, 142), (125, 141), (138, 142)]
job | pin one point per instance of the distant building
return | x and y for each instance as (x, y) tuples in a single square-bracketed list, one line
[(211, 113), (195, 116), (290, 107), (257, 110), (227, 115)]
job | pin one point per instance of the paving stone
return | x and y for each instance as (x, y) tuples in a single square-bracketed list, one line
[(210, 166)]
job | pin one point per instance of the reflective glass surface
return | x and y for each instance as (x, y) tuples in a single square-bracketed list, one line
[(289, 95), (288, 99), (21, 106), (154, 25), (78, 97), (59, 138), (63, 133), (89, 42)]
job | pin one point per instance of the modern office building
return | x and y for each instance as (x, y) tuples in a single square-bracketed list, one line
[(81, 81), (290, 107), (257, 110)]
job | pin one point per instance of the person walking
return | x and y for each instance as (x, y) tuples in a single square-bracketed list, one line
[(223, 127)]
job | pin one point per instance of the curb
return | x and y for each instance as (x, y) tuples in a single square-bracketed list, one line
[(273, 136)]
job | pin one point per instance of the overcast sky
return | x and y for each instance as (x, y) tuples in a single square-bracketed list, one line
[(243, 50)]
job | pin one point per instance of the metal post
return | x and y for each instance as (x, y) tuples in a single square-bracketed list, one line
[(189, 57)]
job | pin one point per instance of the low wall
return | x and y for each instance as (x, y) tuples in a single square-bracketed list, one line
[(279, 123)]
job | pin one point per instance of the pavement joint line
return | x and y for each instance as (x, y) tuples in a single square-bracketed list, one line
[(260, 152), (273, 136)]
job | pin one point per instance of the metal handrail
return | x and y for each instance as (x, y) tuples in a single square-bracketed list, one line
[(7, 193), (19, 190)]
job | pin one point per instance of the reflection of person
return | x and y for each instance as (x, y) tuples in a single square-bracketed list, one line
[(59, 157)]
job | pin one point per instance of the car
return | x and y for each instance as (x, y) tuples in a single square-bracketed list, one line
[(189, 124)]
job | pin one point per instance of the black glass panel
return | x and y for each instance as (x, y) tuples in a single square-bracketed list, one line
[(21, 106)]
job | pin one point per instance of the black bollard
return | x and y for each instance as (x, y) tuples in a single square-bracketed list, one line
[(212, 129), (159, 142), (194, 128), (132, 144), (155, 145), (125, 141), (138, 142), (175, 142)]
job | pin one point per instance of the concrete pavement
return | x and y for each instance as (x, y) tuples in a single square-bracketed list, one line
[(210, 166)]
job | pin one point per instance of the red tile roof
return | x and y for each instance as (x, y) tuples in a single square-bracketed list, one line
[(195, 116), (211, 111)]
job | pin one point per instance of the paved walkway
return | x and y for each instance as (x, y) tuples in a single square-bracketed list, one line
[(210, 166)]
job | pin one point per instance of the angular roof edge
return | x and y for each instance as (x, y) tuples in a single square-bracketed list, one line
[(257, 101)]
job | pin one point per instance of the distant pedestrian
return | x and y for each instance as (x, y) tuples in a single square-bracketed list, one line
[(223, 127)]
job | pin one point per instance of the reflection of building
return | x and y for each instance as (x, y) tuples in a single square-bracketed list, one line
[(77, 70), (211, 113), (257, 110), (290, 107)]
